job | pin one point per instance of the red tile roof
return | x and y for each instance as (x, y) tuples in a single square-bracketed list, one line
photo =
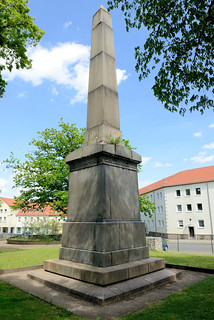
[(8, 201), (184, 177), (47, 211)]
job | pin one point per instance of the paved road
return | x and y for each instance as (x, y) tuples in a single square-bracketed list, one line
[(191, 246)]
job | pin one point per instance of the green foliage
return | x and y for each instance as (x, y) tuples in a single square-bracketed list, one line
[(180, 41), (43, 176), (146, 206), (114, 141), (43, 226), (17, 31)]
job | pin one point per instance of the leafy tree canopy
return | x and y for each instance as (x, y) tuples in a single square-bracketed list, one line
[(43, 176), (17, 31), (181, 42), (146, 206)]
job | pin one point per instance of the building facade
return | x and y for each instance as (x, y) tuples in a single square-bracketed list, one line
[(184, 205), (7, 216), (15, 221)]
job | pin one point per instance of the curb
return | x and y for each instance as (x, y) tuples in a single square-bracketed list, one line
[(20, 269), (195, 269)]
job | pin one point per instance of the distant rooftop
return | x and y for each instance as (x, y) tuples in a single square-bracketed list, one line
[(198, 175)]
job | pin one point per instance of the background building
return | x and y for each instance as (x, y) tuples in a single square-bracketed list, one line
[(7, 216), (15, 221), (184, 205)]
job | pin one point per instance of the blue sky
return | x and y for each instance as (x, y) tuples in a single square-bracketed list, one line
[(56, 87)]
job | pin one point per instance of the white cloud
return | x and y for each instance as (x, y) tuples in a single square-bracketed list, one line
[(209, 146), (158, 165), (144, 183), (197, 134), (121, 76), (145, 160), (65, 64), (21, 95), (67, 24), (3, 185), (202, 158), (211, 125), (54, 91)]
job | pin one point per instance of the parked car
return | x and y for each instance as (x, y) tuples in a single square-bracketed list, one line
[(164, 244)]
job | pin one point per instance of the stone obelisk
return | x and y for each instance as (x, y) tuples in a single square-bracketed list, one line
[(103, 240)]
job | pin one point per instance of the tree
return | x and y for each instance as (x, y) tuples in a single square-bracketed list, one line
[(17, 31), (181, 41), (146, 206), (43, 176)]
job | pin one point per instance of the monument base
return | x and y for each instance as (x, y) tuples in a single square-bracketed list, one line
[(103, 276), (103, 295)]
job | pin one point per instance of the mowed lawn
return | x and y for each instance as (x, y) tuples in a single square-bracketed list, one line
[(27, 258), (193, 303)]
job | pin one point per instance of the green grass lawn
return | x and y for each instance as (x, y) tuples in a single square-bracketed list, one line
[(195, 302), (185, 259), (26, 258), (16, 304)]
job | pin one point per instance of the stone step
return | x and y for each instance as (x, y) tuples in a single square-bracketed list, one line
[(104, 276), (108, 294)]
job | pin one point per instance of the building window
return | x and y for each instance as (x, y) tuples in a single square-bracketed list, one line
[(18, 230), (25, 218), (197, 191), (157, 196), (159, 223), (19, 219), (5, 210), (162, 222), (158, 209), (5, 219), (152, 223), (201, 223), (0, 219), (179, 208), (161, 209), (1, 210), (160, 195), (187, 192), (151, 196), (180, 223), (189, 207), (199, 207), (178, 193)]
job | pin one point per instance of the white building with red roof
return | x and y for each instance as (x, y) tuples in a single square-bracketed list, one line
[(33, 215), (7, 216), (184, 205), (13, 221)]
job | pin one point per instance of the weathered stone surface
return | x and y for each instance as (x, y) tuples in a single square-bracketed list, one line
[(103, 186), (103, 276), (103, 109)]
